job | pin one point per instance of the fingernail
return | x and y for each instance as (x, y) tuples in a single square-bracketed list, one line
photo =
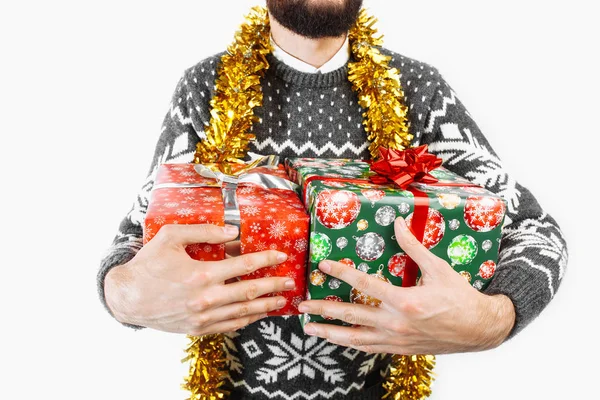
[(289, 284), (310, 329), (303, 308), (230, 229), (281, 257), (325, 266), (281, 303), (402, 223)]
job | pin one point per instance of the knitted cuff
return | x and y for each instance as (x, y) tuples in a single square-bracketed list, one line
[(525, 287), (114, 258)]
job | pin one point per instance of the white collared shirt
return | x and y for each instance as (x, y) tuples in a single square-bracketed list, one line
[(338, 60)]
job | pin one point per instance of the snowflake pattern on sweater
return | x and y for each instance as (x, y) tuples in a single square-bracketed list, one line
[(317, 115)]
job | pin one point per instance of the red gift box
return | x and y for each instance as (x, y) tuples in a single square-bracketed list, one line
[(271, 219)]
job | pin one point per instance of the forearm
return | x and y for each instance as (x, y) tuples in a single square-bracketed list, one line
[(112, 283), (118, 293), (496, 321)]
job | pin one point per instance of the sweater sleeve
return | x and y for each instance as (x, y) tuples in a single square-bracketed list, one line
[(533, 252), (181, 129)]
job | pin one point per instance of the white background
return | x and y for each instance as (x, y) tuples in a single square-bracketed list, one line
[(83, 90)]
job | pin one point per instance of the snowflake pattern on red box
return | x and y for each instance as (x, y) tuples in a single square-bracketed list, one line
[(272, 219)]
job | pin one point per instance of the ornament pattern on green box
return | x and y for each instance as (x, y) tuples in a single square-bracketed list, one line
[(353, 222)]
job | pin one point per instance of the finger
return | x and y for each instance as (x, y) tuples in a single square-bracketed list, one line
[(239, 310), (355, 314), (425, 259), (379, 349), (183, 235), (363, 282), (231, 325), (245, 264), (408, 350), (239, 291), (347, 336), (232, 249)]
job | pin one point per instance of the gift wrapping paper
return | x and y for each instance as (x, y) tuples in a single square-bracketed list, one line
[(352, 221), (270, 219)]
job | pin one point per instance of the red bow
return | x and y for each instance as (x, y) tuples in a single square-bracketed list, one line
[(404, 167)]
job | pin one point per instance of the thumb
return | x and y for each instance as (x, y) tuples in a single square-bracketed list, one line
[(197, 233), (426, 260)]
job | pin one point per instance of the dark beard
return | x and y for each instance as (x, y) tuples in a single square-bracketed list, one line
[(308, 19)]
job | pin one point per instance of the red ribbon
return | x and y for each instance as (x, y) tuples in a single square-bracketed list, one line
[(404, 167), (417, 226)]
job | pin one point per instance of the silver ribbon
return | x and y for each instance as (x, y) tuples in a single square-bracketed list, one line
[(229, 184)]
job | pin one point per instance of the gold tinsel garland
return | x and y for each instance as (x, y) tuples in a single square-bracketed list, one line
[(228, 135), (237, 92), (410, 377), (207, 371), (378, 89)]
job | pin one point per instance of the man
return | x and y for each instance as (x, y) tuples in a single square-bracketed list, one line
[(310, 109)]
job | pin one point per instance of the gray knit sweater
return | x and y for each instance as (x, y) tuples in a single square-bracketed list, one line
[(317, 115)]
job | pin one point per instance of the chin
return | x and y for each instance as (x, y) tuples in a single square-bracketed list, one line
[(315, 18)]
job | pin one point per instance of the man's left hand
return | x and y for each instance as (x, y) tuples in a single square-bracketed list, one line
[(443, 314)]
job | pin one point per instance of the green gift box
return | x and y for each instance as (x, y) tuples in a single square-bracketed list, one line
[(352, 221)]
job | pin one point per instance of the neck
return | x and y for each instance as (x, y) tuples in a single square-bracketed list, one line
[(315, 52)]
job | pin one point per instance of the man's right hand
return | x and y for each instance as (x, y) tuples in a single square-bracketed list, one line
[(163, 288)]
